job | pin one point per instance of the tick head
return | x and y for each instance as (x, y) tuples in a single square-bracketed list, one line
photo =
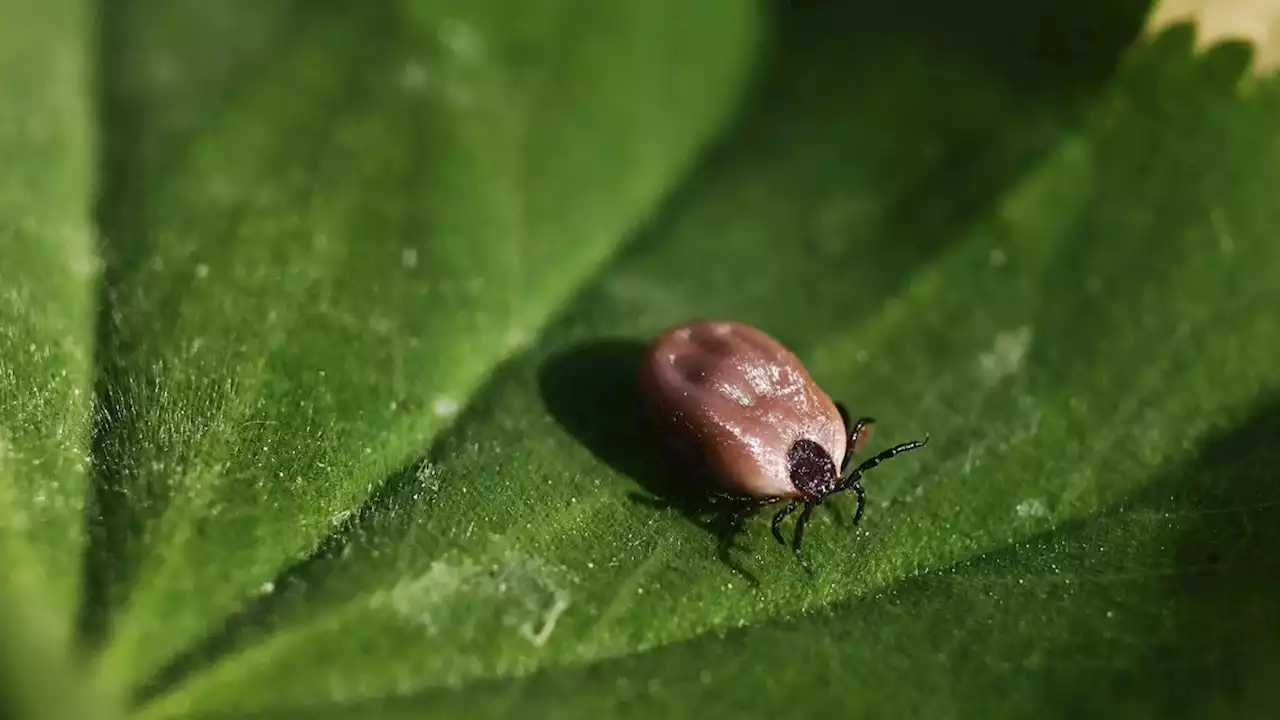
[(813, 472)]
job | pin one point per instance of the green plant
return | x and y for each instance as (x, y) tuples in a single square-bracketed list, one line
[(336, 417)]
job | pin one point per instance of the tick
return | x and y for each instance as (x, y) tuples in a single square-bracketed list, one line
[(733, 404)]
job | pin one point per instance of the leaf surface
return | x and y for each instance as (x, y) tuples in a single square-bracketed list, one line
[(327, 224), (46, 304), (47, 274), (1064, 281), (377, 277)]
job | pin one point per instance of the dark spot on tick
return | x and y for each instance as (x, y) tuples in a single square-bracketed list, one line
[(813, 472), (692, 367)]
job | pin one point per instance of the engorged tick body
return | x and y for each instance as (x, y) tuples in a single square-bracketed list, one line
[(734, 404)]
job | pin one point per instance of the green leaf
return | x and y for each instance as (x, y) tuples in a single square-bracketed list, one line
[(327, 224), (377, 278), (46, 306), (36, 679), (46, 331), (1068, 282), (1177, 582)]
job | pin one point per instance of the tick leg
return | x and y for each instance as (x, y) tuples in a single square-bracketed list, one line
[(744, 508), (795, 545), (870, 463), (862, 502), (778, 518), (741, 501), (857, 434)]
